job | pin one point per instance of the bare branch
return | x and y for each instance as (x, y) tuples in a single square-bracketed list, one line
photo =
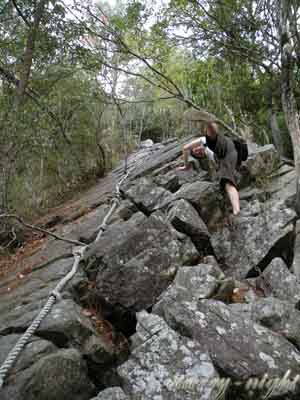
[(141, 101), (163, 80), (36, 228), (14, 238), (230, 112), (139, 75), (118, 40), (21, 14)]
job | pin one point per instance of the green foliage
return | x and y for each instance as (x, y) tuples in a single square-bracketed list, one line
[(54, 141), (149, 58)]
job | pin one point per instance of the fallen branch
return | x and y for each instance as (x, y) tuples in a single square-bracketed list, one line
[(37, 228)]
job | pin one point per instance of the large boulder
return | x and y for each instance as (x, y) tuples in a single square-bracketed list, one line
[(237, 346), (205, 197), (17, 377), (164, 156), (281, 185), (190, 176), (164, 359), (185, 219), (154, 256), (279, 316), (262, 232), (126, 210), (262, 161), (20, 306), (169, 181), (60, 375), (281, 283), (196, 282), (84, 229), (146, 195), (136, 261)]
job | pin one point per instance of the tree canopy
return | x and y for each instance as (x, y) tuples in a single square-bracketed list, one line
[(82, 80)]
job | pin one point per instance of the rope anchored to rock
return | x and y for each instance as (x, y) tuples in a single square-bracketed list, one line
[(266, 386), (55, 295), (53, 298)]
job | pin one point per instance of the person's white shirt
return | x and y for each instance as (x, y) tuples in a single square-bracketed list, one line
[(208, 152)]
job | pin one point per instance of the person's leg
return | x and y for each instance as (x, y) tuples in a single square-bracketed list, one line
[(234, 197)]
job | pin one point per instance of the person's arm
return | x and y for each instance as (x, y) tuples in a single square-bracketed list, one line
[(188, 147)]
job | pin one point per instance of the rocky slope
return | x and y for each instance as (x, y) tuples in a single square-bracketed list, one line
[(169, 292)]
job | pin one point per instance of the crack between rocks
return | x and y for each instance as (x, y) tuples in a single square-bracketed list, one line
[(296, 345), (13, 331), (137, 205), (277, 250), (60, 341)]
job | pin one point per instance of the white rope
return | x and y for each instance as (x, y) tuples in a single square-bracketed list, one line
[(13, 355), (55, 295), (103, 226), (271, 385)]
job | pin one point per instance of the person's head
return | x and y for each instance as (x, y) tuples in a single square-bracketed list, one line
[(212, 129), (200, 120), (199, 151)]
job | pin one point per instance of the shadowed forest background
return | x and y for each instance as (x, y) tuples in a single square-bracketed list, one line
[(82, 83)]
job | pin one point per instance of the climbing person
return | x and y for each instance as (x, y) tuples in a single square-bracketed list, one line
[(195, 153), (217, 146)]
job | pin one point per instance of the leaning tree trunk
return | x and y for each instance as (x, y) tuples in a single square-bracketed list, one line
[(288, 97), (29, 49), (276, 132)]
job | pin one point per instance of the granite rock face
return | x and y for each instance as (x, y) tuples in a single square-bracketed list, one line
[(218, 297), (279, 316), (162, 361), (281, 282), (261, 232), (111, 394), (44, 372), (146, 195), (137, 260), (204, 196), (238, 347), (185, 219), (262, 161)]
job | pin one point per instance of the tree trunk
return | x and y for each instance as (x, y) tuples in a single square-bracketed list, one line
[(276, 133), (287, 85), (3, 187), (29, 50), (101, 161), (142, 125)]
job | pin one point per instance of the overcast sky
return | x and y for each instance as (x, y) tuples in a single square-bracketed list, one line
[(110, 2)]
